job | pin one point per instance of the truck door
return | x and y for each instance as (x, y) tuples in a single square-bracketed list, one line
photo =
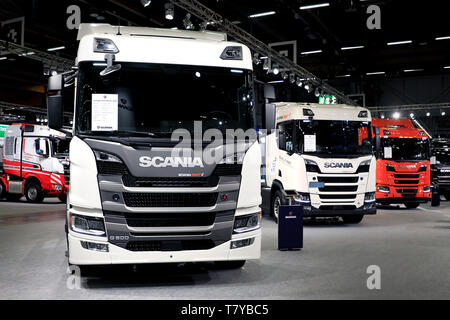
[(42, 150), (287, 156)]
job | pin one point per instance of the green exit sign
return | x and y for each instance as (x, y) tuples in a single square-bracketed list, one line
[(327, 99)]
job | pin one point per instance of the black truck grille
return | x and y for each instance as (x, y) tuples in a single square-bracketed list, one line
[(111, 168), (67, 174), (337, 196), (170, 199), (173, 219), (337, 207), (189, 182), (170, 245), (338, 179), (406, 181), (227, 170), (338, 189), (406, 176)]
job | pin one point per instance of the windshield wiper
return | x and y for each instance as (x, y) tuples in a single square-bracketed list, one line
[(124, 133)]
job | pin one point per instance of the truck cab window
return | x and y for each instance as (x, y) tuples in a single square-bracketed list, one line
[(285, 136)]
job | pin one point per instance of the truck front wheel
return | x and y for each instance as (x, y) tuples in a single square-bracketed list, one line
[(2, 190), (33, 193), (447, 195), (412, 205), (352, 219), (276, 203)]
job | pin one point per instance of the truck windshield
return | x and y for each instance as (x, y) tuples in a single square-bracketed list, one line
[(60, 147), (334, 138), (156, 99), (404, 149)]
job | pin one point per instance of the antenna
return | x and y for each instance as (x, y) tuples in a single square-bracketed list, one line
[(118, 28)]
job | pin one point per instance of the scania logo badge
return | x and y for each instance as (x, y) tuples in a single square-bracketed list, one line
[(338, 165)]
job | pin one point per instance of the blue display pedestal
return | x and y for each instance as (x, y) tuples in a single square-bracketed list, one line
[(290, 228)]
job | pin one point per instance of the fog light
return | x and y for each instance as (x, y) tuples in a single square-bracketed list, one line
[(383, 189), (101, 247), (369, 197), (426, 189), (57, 186), (241, 243)]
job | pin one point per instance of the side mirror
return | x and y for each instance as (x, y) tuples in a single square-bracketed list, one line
[(55, 108), (270, 117), (433, 160)]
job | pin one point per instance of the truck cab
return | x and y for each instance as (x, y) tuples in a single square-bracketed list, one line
[(149, 105), (324, 154), (440, 165), (32, 164), (403, 163)]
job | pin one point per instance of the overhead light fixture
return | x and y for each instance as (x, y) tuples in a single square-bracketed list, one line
[(198, 74), (314, 6), (311, 52), (382, 116), (275, 71), (266, 65), (396, 115), (292, 78), (411, 115), (443, 38), (262, 14), (447, 67), (352, 48), (306, 87), (146, 3), (237, 71), (399, 42), (264, 57), (188, 25), (56, 48), (256, 59), (428, 114), (317, 92), (276, 81), (443, 113), (412, 70), (3, 58), (374, 73), (299, 82), (169, 11), (343, 76), (284, 75)]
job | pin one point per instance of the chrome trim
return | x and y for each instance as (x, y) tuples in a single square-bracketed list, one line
[(113, 206)]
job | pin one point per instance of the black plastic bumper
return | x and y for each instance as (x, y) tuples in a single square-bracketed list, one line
[(402, 200), (314, 212)]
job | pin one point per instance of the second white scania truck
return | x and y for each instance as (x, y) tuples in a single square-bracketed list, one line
[(323, 154), (131, 200)]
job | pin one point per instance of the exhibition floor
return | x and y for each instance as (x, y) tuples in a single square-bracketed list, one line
[(411, 247)]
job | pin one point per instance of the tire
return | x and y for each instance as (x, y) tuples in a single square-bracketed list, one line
[(33, 193), (13, 196), (230, 264), (447, 195), (2, 190), (412, 205), (277, 201), (353, 219)]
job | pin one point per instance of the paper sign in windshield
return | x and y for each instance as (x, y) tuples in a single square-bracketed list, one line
[(105, 112), (310, 143), (388, 152)]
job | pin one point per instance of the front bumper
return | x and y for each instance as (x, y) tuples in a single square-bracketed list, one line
[(396, 197), (309, 211), (117, 255)]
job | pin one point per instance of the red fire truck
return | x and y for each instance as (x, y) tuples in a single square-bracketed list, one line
[(403, 162), (33, 163)]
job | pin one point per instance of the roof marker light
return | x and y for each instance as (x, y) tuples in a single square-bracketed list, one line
[(314, 6)]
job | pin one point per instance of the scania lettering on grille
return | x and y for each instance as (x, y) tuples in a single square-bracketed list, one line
[(338, 165), (161, 162), (409, 166)]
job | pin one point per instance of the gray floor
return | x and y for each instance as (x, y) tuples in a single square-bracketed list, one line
[(412, 248)]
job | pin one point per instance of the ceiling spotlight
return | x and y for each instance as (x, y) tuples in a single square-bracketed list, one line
[(169, 9), (292, 78), (443, 113), (411, 115), (428, 114), (284, 75), (276, 71), (396, 115), (146, 3), (203, 26), (198, 74), (306, 87), (382, 116), (188, 25), (299, 82), (266, 65)]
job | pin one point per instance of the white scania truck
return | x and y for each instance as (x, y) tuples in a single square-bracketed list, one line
[(131, 200), (322, 154)]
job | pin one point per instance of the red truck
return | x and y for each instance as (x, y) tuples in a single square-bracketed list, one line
[(403, 163), (33, 162)]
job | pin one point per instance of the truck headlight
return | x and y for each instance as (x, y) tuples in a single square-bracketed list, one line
[(369, 197), (383, 189), (423, 168), (311, 166), (364, 166), (247, 223), (427, 189), (302, 198), (390, 167), (87, 225), (104, 156)]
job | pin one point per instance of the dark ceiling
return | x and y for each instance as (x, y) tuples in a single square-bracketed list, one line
[(341, 24)]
